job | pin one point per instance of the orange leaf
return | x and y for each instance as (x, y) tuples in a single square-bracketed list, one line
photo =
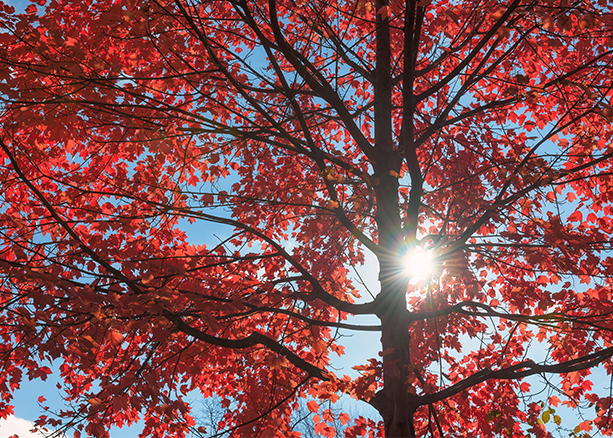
[(313, 406), (384, 11), (114, 337), (554, 401)]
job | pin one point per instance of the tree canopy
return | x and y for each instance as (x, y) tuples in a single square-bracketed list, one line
[(475, 134)]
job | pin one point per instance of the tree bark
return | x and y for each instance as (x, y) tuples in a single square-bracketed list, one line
[(396, 409), (394, 401)]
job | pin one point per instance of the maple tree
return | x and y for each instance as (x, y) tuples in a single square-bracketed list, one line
[(474, 133)]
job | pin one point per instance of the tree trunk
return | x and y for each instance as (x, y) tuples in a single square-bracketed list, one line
[(394, 401), (397, 410)]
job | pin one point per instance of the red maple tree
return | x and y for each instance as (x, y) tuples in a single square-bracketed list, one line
[(476, 134)]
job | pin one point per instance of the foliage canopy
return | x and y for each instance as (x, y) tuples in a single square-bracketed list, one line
[(477, 131)]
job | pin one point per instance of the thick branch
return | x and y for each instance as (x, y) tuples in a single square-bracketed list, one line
[(523, 369), (466, 61), (251, 341), (256, 309), (318, 291), (318, 83), (501, 202), (64, 224)]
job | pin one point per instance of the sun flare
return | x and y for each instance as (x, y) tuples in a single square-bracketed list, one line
[(418, 264)]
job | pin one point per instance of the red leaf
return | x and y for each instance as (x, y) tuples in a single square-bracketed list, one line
[(313, 406), (554, 401), (577, 216)]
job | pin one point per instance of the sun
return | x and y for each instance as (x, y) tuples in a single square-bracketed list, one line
[(417, 264)]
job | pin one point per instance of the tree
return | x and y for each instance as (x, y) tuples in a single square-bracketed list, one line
[(476, 134)]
